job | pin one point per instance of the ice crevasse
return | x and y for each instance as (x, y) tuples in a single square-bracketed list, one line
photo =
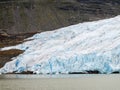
[(76, 48)]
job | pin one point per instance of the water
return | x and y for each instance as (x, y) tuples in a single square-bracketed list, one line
[(60, 82)]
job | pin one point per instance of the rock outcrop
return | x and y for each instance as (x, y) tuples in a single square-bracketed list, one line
[(26, 16)]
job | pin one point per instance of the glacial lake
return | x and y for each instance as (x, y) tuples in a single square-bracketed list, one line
[(60, 82)]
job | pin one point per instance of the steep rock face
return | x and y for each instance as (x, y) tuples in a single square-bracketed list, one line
[(91, 46), (42, 15)]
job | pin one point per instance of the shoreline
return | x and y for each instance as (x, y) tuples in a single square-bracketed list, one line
[(70, 73), (30, 76)]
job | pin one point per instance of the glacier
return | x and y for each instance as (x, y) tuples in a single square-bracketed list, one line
[(77, 48)]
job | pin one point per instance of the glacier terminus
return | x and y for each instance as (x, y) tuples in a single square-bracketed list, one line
[(77, 48)]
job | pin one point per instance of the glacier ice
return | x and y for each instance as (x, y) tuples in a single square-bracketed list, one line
[(77, 48)]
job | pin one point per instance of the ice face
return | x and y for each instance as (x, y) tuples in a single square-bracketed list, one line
[(77, 48)]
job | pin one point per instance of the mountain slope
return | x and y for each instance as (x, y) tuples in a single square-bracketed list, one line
[(77, 48), (25, 16)]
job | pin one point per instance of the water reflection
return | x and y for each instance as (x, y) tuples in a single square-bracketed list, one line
[(25, 76)]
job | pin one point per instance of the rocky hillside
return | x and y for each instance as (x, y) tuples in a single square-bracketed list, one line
[(25, 16)]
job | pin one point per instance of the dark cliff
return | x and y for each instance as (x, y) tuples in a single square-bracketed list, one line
[(27, 16)]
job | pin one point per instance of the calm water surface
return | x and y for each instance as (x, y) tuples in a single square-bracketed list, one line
[(60, 82)]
